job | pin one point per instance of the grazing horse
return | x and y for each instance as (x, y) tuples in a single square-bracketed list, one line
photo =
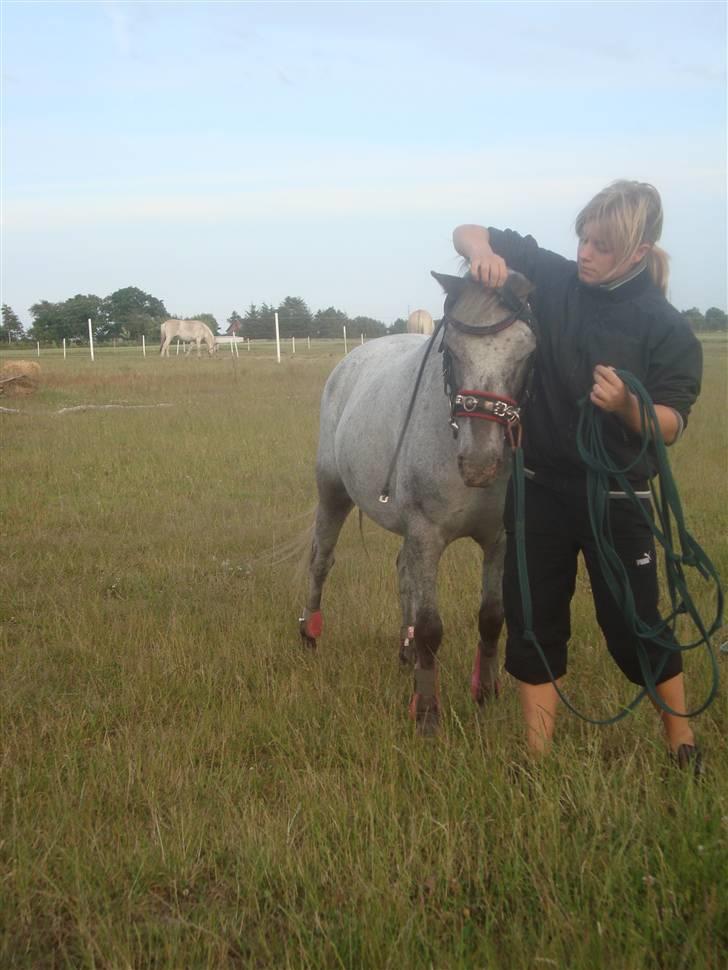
[(448, 473), (194, 331), (420, 321)]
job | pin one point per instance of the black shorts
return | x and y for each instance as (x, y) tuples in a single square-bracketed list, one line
[(557, 530)]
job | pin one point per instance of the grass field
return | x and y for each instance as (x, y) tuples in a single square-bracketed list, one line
[(182, 786)]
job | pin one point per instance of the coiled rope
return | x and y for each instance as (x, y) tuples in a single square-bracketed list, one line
[(668, 527)]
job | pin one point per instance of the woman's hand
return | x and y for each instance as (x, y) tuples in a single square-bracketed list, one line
[(473, 242), (489, 269), (610, 393)]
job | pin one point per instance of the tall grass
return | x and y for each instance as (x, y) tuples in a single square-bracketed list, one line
[(184, 786)]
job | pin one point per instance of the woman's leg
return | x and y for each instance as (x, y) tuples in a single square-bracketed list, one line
[(677, 729), (538, 704)]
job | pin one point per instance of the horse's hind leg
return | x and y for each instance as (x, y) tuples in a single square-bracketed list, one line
[(331, 512), (484, 681), (407, 652), (419, 559)]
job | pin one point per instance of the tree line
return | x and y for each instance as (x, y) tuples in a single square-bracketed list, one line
[(130, 313)]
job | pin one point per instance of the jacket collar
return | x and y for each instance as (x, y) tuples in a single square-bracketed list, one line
[(636, 281)]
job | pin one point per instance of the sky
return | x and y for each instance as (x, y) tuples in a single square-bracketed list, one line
[(221, 154)]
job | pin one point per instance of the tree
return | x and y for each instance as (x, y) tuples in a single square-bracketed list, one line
[(236, 324), (12, 328), (695, 318), (368, 326), (716, 319), (294, 317), (130, 313), (329, 322), (252, 322), (68, 320), (399, 326), (207, 318)]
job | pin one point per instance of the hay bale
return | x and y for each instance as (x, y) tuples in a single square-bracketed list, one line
[(19, 377)]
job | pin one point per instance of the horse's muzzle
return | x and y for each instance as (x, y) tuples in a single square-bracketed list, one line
[(477, 475)]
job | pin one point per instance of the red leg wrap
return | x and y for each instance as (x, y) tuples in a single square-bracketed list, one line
[(314, 625)]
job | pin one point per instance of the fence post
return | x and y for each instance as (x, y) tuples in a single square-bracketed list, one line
[(144, 346), (278, 339), (64, 348), (345, 348)]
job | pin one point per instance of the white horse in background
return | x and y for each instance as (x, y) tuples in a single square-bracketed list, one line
[(420, 321), (188, 331)]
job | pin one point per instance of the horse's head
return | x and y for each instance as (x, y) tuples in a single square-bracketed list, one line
[(487, 350)]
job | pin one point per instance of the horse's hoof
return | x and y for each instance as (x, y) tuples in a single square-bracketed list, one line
[(310, 626), (479, 691), (425, 712)]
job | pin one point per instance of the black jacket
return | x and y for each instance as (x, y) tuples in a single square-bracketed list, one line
[(632, 328)]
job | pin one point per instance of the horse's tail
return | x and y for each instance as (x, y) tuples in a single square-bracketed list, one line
[(297, 548)]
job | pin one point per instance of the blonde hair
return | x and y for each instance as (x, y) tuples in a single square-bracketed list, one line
[(630, 214)]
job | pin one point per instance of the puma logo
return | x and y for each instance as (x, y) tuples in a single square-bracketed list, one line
[(645, 560)]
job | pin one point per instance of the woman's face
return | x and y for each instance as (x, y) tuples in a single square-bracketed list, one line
[(597, 262)]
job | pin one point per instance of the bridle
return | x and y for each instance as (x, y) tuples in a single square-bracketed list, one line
[(485, 405)]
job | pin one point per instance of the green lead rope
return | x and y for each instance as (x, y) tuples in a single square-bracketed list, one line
[(669, 520)]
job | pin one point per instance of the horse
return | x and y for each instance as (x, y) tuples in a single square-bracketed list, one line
[(448, 473), (420, 321), (186, 330)]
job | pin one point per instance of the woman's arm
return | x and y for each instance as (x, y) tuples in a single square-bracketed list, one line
[(473, 243)]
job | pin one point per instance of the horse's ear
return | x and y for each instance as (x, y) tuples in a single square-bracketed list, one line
[(518, 285), (452, 285)]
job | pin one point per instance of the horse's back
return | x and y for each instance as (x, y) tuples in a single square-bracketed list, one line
[(381, 362)]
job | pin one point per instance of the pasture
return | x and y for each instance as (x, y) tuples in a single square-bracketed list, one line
[(183, 786)]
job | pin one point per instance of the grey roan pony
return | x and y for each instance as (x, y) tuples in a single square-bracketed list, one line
[(448, 482)]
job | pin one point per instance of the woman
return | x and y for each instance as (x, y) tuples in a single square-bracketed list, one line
[(607, 310)]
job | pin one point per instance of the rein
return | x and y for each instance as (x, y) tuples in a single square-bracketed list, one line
[(685, 552)]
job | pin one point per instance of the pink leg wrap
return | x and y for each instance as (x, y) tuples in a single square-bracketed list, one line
[(314, 625)]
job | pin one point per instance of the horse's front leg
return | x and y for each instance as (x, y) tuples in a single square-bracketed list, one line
[(419, 559), (484, 681)]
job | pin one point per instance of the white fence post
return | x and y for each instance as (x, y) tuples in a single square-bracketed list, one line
[(248, 344), (144, 346), (64, 348), (309, 342), (362, 338), (293, 345), (278, 339), (37, 347), (345, 348), (91, 338)]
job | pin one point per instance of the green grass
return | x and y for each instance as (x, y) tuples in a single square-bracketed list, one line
[(183, 786)]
